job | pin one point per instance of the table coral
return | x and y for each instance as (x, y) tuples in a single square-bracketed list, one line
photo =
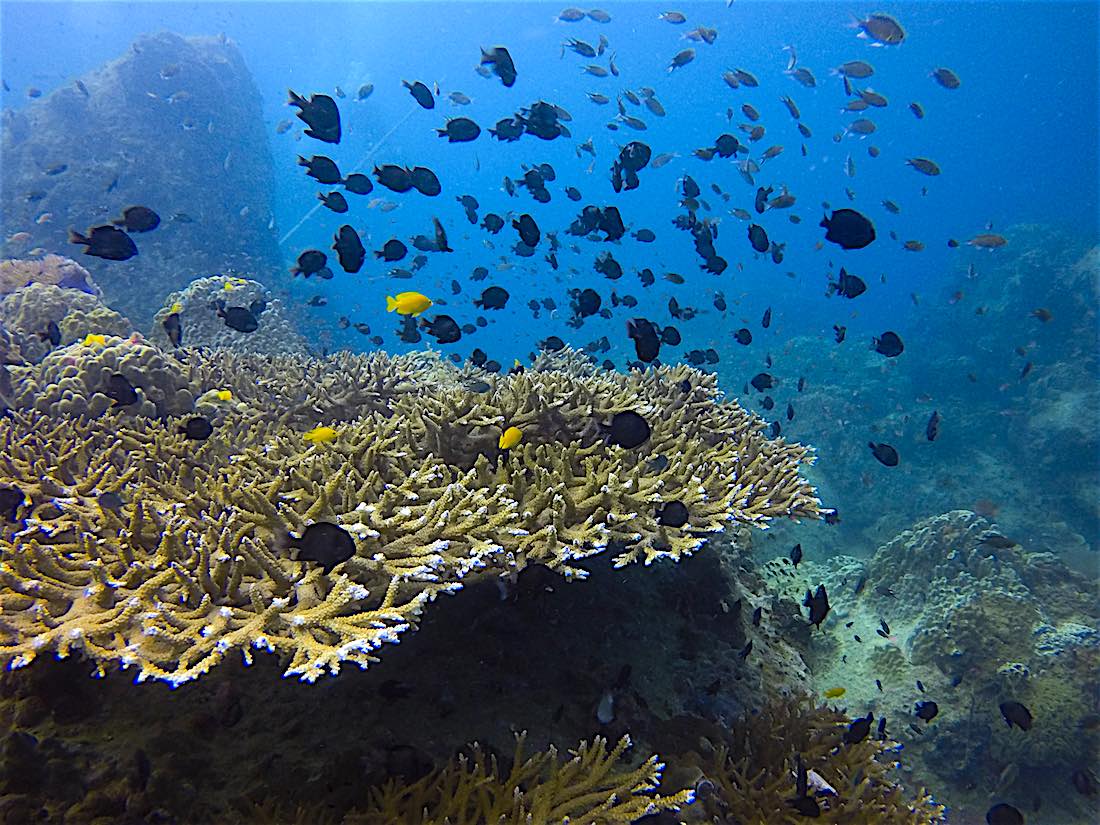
[(193, 565)]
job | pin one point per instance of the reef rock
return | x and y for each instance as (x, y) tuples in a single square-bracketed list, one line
[(174, 125), (28, 312)]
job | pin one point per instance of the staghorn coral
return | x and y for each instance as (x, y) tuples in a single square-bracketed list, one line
[(71, 380), (750, 773), (56, 270), (588, 789), (196, 306), (28, 311), (192, 566)]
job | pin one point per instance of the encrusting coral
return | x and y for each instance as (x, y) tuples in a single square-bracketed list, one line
[(74, 380), (749, 775), (194, 563), (196, 305), (27, 313), (16, 273), (590, 788)]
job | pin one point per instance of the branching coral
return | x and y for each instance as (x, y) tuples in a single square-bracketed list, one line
[(751, 774), (591, 788), (193, 564)]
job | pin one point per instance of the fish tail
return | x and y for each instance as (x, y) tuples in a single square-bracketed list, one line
[(76, 237), (391, 303)]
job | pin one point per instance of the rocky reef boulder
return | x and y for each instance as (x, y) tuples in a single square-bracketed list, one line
[(175, 125)]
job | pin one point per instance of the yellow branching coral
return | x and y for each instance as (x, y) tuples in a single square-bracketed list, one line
[(750, 776), (591, 788), (193, 564)]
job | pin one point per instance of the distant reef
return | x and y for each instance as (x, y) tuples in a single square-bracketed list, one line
[(174, 124)]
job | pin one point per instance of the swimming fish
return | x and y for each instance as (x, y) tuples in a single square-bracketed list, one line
[(510, 438), (320, 435), (324, 543), (408, 303), (835, 692)]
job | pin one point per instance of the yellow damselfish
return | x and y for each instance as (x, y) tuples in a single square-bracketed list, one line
[(224, 395), (320, 435), (510, 438), (408, 303), (177, 307), (93, 339), (835, 692)]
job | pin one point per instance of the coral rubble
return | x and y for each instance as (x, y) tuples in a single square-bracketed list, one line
[(54, 270)]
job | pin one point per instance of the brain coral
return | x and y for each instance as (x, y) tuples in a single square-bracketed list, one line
[(28, 311), (16, 273), (202, 327), (72, 380), (194, 564)]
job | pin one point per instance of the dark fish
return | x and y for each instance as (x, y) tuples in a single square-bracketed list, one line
[(365, 91), (238, 318), (334, 201), (745, 651), (196, 428), (310, 262), (349, 249), (421, 93), (1016, 714), (762, 381), (818, 602), (173, 328), (859, 729), (358, 184), (766, 320), (424, 181), (758, 238), (993, 539), (572, 193), (492, 223), (459, 130), (51, 333), (927, 710), (120, 390), (321, 169), (107, 242), (628, 430), (138, 219), (320, 114), (528, 230), (886, 454), (932, 430), (647, 341), (839, 332), (395, 178), (644, 236), (552, 344), (848, 229), (743, 336), (849, 286), (324, 543), (443, 328), (392, 250), (588, 302), (888, 344), (681, 59), (673, 514), (946, 78), (499, 59), (494, 297), (796, 554), (756, 616), (924, 166), (1004, 814)]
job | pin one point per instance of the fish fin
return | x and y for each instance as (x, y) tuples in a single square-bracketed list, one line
[(76, 237), (391, 303)]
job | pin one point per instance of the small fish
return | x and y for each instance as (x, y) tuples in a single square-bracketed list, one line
[(888, 344), (681, 59), (173, 328), (510, 438), (946, 78), (1004, 814), (120, 390), (932, 429), (320, 435), (818, 602), (884, 453), (835, 692), (859, 729), (196, 428), (796, 554), (325, 544), (408, 303), (1017, 714)]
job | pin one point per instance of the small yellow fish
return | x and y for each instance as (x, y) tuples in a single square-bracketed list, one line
[(510, 438), (177, 307), (93, 339), (835, 692), (408, 303), (320, 435), (224, 395)]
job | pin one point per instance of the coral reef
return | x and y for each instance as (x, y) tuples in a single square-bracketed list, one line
[(174, 124), (977, 620), (55, 270), (539, 790), (747, 773), (193, 564), (75, 381), (196, 306), (27, 313)]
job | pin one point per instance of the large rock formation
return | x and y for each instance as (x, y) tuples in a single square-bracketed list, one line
[(174, 125)]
